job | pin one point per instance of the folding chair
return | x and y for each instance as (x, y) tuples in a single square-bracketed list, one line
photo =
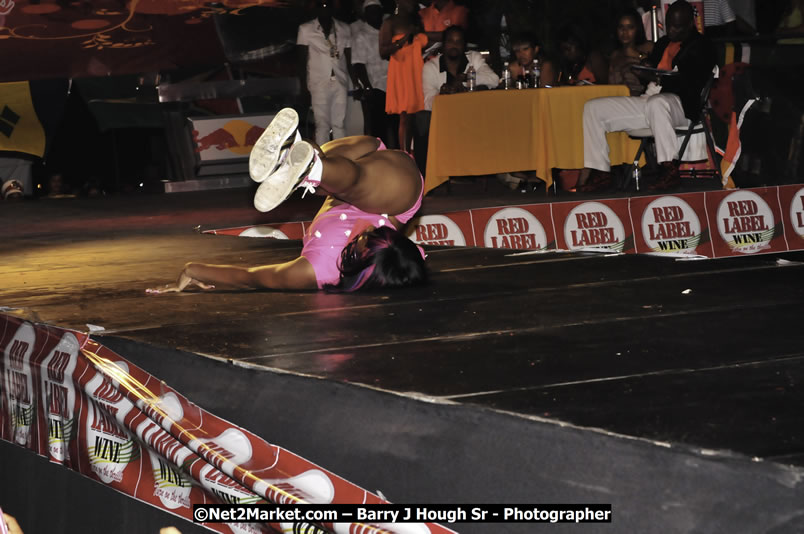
[(702, 125)]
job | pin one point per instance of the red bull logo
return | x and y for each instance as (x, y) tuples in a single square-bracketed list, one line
[(236, 136)]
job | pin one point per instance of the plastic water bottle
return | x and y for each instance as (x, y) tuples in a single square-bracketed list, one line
[(535, 73), (506, 77), (636, 174), (471, 77)]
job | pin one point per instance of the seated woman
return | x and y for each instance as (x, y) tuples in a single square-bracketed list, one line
[(579, 63), (633, 48), (355, 240), (525, 48)]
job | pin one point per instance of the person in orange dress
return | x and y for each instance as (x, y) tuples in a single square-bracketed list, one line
[(440, 15), (402, 39)]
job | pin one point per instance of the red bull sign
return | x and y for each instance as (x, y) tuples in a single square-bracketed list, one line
[(227, 138)]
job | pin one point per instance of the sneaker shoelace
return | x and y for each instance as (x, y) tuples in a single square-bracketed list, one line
[(308, 187)]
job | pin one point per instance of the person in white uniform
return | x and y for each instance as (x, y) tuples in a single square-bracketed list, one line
[(372, 71), (325, 57), (446, 74)]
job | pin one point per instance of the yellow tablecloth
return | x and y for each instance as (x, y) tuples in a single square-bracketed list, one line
[(491, 132)]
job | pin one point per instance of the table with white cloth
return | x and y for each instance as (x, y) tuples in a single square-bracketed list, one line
[(489, 132)]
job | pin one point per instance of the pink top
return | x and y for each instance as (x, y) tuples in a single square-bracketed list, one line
[(331, 231)]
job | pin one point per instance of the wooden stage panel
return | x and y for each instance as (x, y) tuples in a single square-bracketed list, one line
[(573, 347)]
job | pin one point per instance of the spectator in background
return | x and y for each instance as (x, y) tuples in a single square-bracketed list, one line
[(355, 123), (446, 75), (525, 48), (372, 72), (402, 39), (437, 17), (668, 106), (324, 45), (579, 63), (720, 20), (56, 188), (633, 48), (440, 15)]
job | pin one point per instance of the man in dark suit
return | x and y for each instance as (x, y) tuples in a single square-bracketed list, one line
[(667, 103)]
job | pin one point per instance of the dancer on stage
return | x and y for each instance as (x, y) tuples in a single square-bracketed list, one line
[(355, 240)]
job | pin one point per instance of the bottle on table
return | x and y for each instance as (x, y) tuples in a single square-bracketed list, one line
[(507, 82), (535, 74), (522, 80), (471, 77)]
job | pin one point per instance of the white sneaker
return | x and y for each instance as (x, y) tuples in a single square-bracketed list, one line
[(272, 147), (301, 168)]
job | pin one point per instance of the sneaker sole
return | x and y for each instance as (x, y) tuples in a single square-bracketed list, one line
[(272, 193), (265, 156)]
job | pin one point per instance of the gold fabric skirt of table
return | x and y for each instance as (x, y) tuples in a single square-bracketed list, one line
[(488, 132)]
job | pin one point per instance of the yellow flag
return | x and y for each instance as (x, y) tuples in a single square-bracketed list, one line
[(20, 129)]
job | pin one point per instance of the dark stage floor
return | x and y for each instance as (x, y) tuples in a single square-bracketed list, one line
[(702, 355)]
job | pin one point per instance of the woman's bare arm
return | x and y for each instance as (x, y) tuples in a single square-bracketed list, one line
[(386, 45), (296, 274)]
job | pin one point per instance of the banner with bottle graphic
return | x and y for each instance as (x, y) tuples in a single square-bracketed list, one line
[(72, 400)]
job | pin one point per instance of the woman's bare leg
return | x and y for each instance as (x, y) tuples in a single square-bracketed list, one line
[(409, 130), (353, 147), (405, 133), (386, 181)]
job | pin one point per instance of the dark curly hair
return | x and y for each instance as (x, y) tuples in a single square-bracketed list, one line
[(388, 260)]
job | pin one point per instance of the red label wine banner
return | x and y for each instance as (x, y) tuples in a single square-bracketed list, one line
[(68, 398), (712, 224)]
